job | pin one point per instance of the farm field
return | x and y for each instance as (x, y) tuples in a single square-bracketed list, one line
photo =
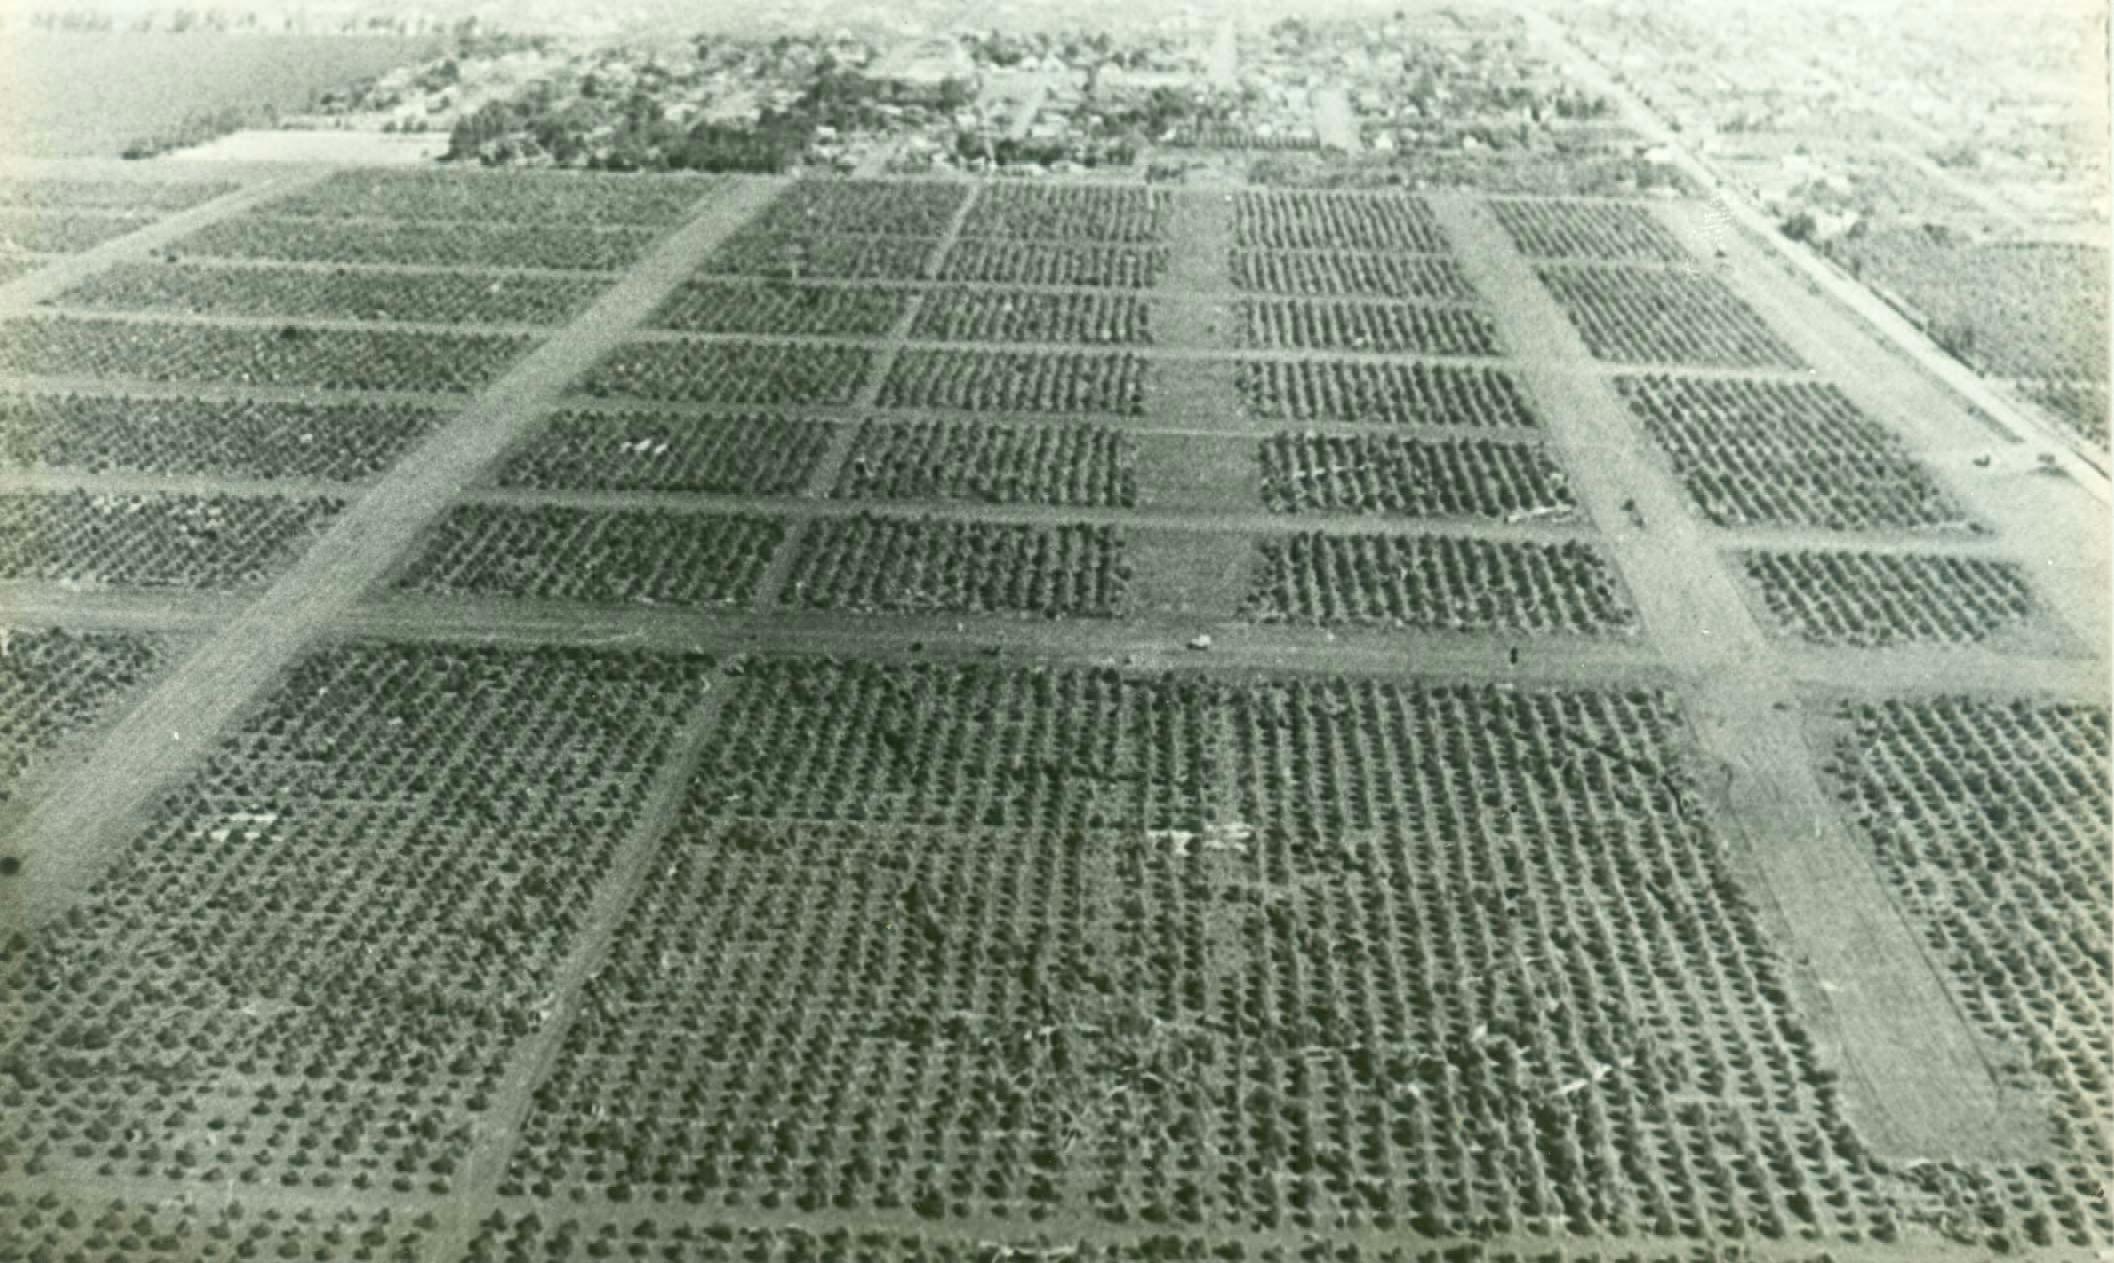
[(868, 718)]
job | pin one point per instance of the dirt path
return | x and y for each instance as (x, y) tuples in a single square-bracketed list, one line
[(88, 815), (1919, 1083)]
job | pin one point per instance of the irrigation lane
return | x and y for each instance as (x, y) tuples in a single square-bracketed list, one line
[(87, 815), (1919, 1085), (2074, 452)]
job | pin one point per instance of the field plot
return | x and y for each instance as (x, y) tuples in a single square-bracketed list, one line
[(1336, 273), (898, 565), (1444, 928), (895, 208), (1043, 212), (1990, 821), (648, 451), (1652, 315), (99, 539), (1397, 394), (1437, 582), (755, 374), (1777, 453), (16, 266), (1876, 599), (1071, 464), (982, 315), (297, 293), (1055, 751), (64, 231), (1016, 381), (130, 197), (333, 359), (510, 197), (54, 683), (469, 244), (1609, 231), (50, 1227), (343, 442), (1305, 220), (2081, 405), (2011, 309), (529, 1237), (1393, 328), (618, 556), (764, 307), (1394, 476), (756, 251), (311, 968), (993, 261)]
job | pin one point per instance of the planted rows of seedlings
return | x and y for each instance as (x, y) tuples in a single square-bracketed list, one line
[(1017, 381), (1394, 476), (54, 683), (851, 229), (153, 540), (48, 1226), (311, 969), (2010, 308), (514, 197), (1382, 391), (755, 250), (293, 355), (900, 565), (343, 442), (133, 197), (1420, 960), (1070, 464), (1787, 453), (466, 244), (983, 315), (893, 208), (1051, 751), (1990, 821), (703, 306), (1391, 328), (1309, 220), (1338, 273), (1057, 212), (63, 231), (993, 261), (298, 293), (2077, 403), (1872, 600), (1437, 583), (750, 373), (1654, 315), (1605, 231), (533, 1238), (647, 451), (597, 556)]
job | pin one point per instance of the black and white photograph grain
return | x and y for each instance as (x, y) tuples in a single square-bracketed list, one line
[(1083, 631)]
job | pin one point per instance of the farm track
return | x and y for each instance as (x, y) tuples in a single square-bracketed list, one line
[(1916, 1068), (87, 815)]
